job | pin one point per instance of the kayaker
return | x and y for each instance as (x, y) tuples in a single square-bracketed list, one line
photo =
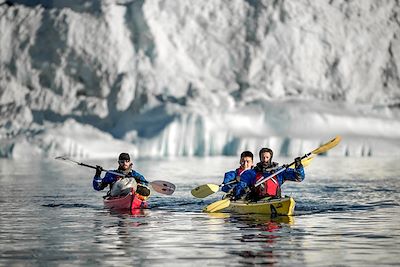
[(119, 184), (238, 182), (266, 167)]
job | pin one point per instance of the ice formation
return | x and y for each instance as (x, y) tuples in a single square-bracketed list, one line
[(181, 78)]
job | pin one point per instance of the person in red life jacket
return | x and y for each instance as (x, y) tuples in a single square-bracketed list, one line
[(265, 168), (239, 181), (119, 184)]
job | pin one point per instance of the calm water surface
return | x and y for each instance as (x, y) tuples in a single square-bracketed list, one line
[(347, 214)]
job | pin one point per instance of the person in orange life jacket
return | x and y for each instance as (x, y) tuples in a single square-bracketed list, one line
[(238, 181), (272, 187), (125, 168)]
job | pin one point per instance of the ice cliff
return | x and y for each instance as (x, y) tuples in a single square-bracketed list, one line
[(180, 78)]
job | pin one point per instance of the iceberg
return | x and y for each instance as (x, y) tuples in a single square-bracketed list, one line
[(90, 79)]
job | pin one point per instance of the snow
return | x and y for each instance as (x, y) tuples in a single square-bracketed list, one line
[(91, 79)]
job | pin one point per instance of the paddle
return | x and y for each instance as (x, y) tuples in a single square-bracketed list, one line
[(162, 187), (322, 149), (224, 203), (205, 190), (218, 205)]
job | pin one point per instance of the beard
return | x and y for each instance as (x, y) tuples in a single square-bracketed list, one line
[(267, 166), (124, 170)]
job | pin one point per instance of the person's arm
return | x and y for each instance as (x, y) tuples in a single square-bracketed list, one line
[(97, 180), (296, 174), (101, 183), (228, 177), (247, 180), (139, 178), (249, 177)]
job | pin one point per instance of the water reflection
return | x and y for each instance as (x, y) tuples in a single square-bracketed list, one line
[(269, 235), (263, 239), (118, 236), (129, 213)]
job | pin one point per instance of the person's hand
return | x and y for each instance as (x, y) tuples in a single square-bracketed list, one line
[(232, 197), (297, 162), (237, 178), (99, 169)]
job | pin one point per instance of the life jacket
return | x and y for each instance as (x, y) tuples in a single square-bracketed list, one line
[(268, 188)]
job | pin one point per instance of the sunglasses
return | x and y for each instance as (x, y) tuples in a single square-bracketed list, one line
[(123, 161)]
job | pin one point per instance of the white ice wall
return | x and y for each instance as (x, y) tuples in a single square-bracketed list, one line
[(167, 78)]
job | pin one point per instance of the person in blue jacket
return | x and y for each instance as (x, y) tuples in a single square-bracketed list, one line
[(238, 182), (125, 168), (272, 186)]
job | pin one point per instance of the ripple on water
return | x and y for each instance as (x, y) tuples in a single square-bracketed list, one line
[(60, 220)]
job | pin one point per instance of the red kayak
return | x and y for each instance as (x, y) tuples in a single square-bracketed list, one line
[(130, 202)]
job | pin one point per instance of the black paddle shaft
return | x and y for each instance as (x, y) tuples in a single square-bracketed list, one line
[(90, 166), (102, 169)]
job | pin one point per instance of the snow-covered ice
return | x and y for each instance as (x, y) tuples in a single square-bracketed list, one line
[(182, 78)]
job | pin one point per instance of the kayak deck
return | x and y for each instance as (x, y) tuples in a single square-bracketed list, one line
[(280, 206), (130, 202)]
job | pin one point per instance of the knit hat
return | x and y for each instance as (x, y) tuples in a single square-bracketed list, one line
[(124, 156)]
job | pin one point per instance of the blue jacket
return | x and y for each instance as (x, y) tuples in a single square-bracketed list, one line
[(247, 179), (296, 175), (109, 179)]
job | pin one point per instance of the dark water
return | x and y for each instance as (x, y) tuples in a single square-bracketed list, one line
[(347, 214)]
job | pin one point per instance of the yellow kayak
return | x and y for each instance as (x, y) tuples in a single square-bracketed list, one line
[(277, 206)]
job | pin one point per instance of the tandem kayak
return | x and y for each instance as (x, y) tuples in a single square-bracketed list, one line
[(276, 206), (130, 202)]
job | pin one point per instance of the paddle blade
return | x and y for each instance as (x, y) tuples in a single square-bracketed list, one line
[(163, 187), (325, 147), (305, 162), (205, 190), (218, 205)]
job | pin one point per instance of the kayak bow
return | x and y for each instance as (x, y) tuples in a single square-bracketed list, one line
[(130, 202)]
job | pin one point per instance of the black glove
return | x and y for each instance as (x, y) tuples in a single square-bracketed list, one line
[(297, 162), (98, 170)]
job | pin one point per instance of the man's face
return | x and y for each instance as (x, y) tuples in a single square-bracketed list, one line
[(265, 157), (246, 163), (124, 164)]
